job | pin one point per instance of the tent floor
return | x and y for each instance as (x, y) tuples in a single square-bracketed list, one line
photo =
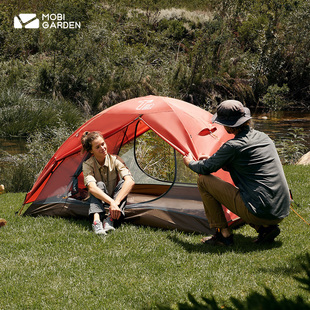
[(166, 202)]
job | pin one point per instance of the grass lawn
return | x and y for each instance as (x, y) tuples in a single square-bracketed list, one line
[(54, 263)]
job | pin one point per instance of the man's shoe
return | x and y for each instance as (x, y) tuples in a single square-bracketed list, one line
[(98, 228), (267, 234), (2, 222), (108, 224), (218, 239)]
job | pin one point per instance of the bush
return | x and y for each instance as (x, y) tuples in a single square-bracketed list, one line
[(238, 50), (19, 172), (292, 148), (275, 97), (45, 123), (21, 114)]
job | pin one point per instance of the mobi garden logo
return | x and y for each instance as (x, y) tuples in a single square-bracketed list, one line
[(45, 21), (29, 21)]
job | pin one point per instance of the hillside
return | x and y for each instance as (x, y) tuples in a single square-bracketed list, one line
[(197, 51)]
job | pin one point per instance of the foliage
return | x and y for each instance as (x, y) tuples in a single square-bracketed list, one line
[(46, 123), (291, 149), (155, 157), (21, 114), (274, 99), (198, 51), (20, 171)]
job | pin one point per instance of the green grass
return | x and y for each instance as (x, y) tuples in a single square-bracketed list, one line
[(54, 263)]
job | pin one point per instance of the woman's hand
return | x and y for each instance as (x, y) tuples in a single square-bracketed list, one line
[(115, 211)]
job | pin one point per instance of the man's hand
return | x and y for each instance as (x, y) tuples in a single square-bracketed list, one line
[(115, 211), (204, 157), (187, 159)]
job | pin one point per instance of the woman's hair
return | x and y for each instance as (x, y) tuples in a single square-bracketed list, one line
[(88, 138)]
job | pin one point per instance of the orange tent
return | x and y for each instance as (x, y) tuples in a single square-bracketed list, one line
[(157, 201)]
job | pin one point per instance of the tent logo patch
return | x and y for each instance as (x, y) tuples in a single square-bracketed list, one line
[(28, 21), (145, 105)]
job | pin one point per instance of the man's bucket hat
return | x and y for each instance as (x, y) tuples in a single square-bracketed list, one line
[(231, 113)]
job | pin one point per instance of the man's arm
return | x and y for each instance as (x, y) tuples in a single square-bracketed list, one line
[(212, 164)]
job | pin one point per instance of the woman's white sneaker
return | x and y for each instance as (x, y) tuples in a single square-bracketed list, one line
[(98, 228), (108, 224)]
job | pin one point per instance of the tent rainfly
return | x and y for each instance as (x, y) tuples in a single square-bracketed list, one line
[(151, 134)]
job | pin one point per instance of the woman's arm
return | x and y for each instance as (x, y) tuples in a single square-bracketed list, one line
[(98, 193), (125, 190), (115, 211)]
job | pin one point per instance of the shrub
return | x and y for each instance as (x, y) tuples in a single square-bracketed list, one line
[(21, 115), (274, 99), (19, 172), (292, 148)]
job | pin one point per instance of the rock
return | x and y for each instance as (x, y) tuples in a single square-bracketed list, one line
[(304, 160)]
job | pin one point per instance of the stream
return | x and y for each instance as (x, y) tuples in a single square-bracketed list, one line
[(278, 125)]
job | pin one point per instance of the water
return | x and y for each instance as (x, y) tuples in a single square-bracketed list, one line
[(280, 125), (13, 146), (276, 124)]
